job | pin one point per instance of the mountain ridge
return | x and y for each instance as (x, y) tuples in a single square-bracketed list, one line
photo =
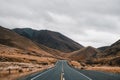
[(12, 39), (83, 54), (50, 39)]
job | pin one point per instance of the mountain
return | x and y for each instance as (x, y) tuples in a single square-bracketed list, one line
[(57, 54), (50, 39), (114, 49), (113, 52), (103, 48), (110, 56), (83, 54), (12, 39)]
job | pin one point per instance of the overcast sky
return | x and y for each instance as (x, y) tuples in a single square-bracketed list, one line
[(89, 22)]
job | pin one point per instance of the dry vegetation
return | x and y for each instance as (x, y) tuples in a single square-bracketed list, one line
[(75, 64), (105, 69), (13, 70), (108, 61), (96, 67), (17, 55), (16, 62)]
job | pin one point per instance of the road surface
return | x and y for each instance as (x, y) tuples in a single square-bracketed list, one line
[(62, 71)]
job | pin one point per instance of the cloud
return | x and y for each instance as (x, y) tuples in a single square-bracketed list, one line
[(100, 22), (89, 22), (61, 18)]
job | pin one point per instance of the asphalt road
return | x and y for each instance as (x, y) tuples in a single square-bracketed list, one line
[(62, 71)]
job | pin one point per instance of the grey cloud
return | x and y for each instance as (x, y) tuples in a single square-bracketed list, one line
[(81, 20)]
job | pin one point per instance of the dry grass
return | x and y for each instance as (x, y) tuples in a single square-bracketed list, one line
[(16, 62), (16, 75), (13, 70), (28, 59), (111, 69), (105, 69), (108, 61), (74, 64), (17, 55)]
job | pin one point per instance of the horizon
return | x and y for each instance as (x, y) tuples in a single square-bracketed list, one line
[(60, 33), (86, 22)]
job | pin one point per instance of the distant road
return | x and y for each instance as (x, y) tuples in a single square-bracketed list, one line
[(62, 71)]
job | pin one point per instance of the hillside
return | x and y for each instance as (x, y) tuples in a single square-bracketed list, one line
[(50, 39), (114, 49), (110, 56), (113, 52), (12, 39), (83, 54), (21, 55), (102, 48)]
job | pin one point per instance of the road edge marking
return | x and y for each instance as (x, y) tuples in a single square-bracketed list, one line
[(44, 72), (40, 74), (85, 75), (80, 73)]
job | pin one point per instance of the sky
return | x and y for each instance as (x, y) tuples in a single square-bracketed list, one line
[(89, 22)]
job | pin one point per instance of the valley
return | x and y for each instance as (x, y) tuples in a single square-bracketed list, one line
[(25, 51)]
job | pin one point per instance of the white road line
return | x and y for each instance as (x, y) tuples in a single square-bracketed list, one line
[(40, 74), (62, 67), (85, 75), (62, 73), (81, 73), (43, 73), (63, 78)]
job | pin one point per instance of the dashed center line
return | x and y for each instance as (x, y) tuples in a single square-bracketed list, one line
[(62, 73), (62, 76)]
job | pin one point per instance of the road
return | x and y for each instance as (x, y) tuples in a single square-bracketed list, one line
[(62, 71)]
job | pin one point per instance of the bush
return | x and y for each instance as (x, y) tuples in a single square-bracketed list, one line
[(20, 70)]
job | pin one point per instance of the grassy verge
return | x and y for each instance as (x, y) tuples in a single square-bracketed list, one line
[(105, 69), (22, 69)]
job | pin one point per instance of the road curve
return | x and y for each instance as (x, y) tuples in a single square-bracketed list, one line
[(62, 71)]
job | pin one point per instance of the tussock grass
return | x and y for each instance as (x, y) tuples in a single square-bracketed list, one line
[(105, 69), (19, 69)]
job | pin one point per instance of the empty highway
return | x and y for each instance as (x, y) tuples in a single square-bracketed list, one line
[(62, 71)]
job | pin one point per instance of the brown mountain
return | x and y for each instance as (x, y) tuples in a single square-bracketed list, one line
[(56, 53), (83, 54), (114, 49), (102, 48), (12, 39), (50, 39), (110, 56), (113, 52)]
